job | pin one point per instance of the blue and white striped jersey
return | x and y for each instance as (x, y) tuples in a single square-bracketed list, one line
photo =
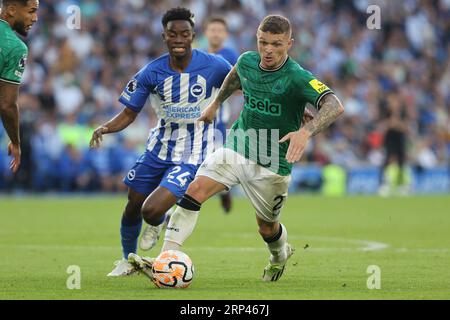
[(178, 100)]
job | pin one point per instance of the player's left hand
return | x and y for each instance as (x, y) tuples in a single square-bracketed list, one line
[(298, 141)]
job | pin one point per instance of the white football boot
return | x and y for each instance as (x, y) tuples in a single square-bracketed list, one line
[(273, 272), (142, 264), (151, 234), (123, 268)]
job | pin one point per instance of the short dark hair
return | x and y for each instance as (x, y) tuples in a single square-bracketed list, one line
[(217, 19), (275, 24), (178, 14), (6, 2)]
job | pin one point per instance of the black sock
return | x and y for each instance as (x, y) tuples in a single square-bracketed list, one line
[(274, 237), (189, 203)]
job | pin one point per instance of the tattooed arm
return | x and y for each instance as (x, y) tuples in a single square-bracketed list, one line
[(229, 85), (330, 108)]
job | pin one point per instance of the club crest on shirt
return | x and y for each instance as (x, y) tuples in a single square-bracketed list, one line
[(278, 87), (23, 61), (132, 86), (197, 90), (131, 174)]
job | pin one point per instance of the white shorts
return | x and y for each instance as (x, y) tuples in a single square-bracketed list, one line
[(266, 190)]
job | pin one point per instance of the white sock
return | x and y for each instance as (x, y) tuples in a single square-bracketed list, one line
[(180, 227), (169, 213), (277, 248)]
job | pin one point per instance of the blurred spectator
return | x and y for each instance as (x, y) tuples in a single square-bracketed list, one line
[(396, 125), (69, 168), (74, 77)]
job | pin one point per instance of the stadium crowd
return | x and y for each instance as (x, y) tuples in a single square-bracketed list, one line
[(74, 77)]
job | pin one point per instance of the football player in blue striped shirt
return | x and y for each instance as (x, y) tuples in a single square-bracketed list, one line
[(179, 85)]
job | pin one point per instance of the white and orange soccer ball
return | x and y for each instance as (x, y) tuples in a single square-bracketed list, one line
[(172, 269)]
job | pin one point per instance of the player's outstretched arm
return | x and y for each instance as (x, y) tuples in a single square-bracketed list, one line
[(116, 124), (330, 108), (229, 85), (9, 112)]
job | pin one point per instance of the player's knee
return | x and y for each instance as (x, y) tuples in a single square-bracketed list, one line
[(196, 191), (152, 214)]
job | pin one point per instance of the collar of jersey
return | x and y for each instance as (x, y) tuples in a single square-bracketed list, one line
[(7, 23), (274, 70), (189, 66)]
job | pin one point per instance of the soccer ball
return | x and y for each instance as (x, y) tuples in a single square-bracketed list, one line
[(172, 269)]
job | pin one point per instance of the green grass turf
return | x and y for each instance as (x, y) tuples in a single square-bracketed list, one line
[(41, 237)]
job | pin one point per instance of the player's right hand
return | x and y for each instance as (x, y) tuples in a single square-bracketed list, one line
[(97, 137), (297, 144), (14, 151), (209, 113)]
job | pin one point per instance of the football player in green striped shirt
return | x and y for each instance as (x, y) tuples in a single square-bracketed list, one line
[(263, 143), (16, 16)]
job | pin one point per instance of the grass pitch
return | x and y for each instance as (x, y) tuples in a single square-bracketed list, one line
[(336, 239)]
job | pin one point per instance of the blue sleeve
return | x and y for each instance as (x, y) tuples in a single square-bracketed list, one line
[(223, 67), (138, 89), (232, 57)]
